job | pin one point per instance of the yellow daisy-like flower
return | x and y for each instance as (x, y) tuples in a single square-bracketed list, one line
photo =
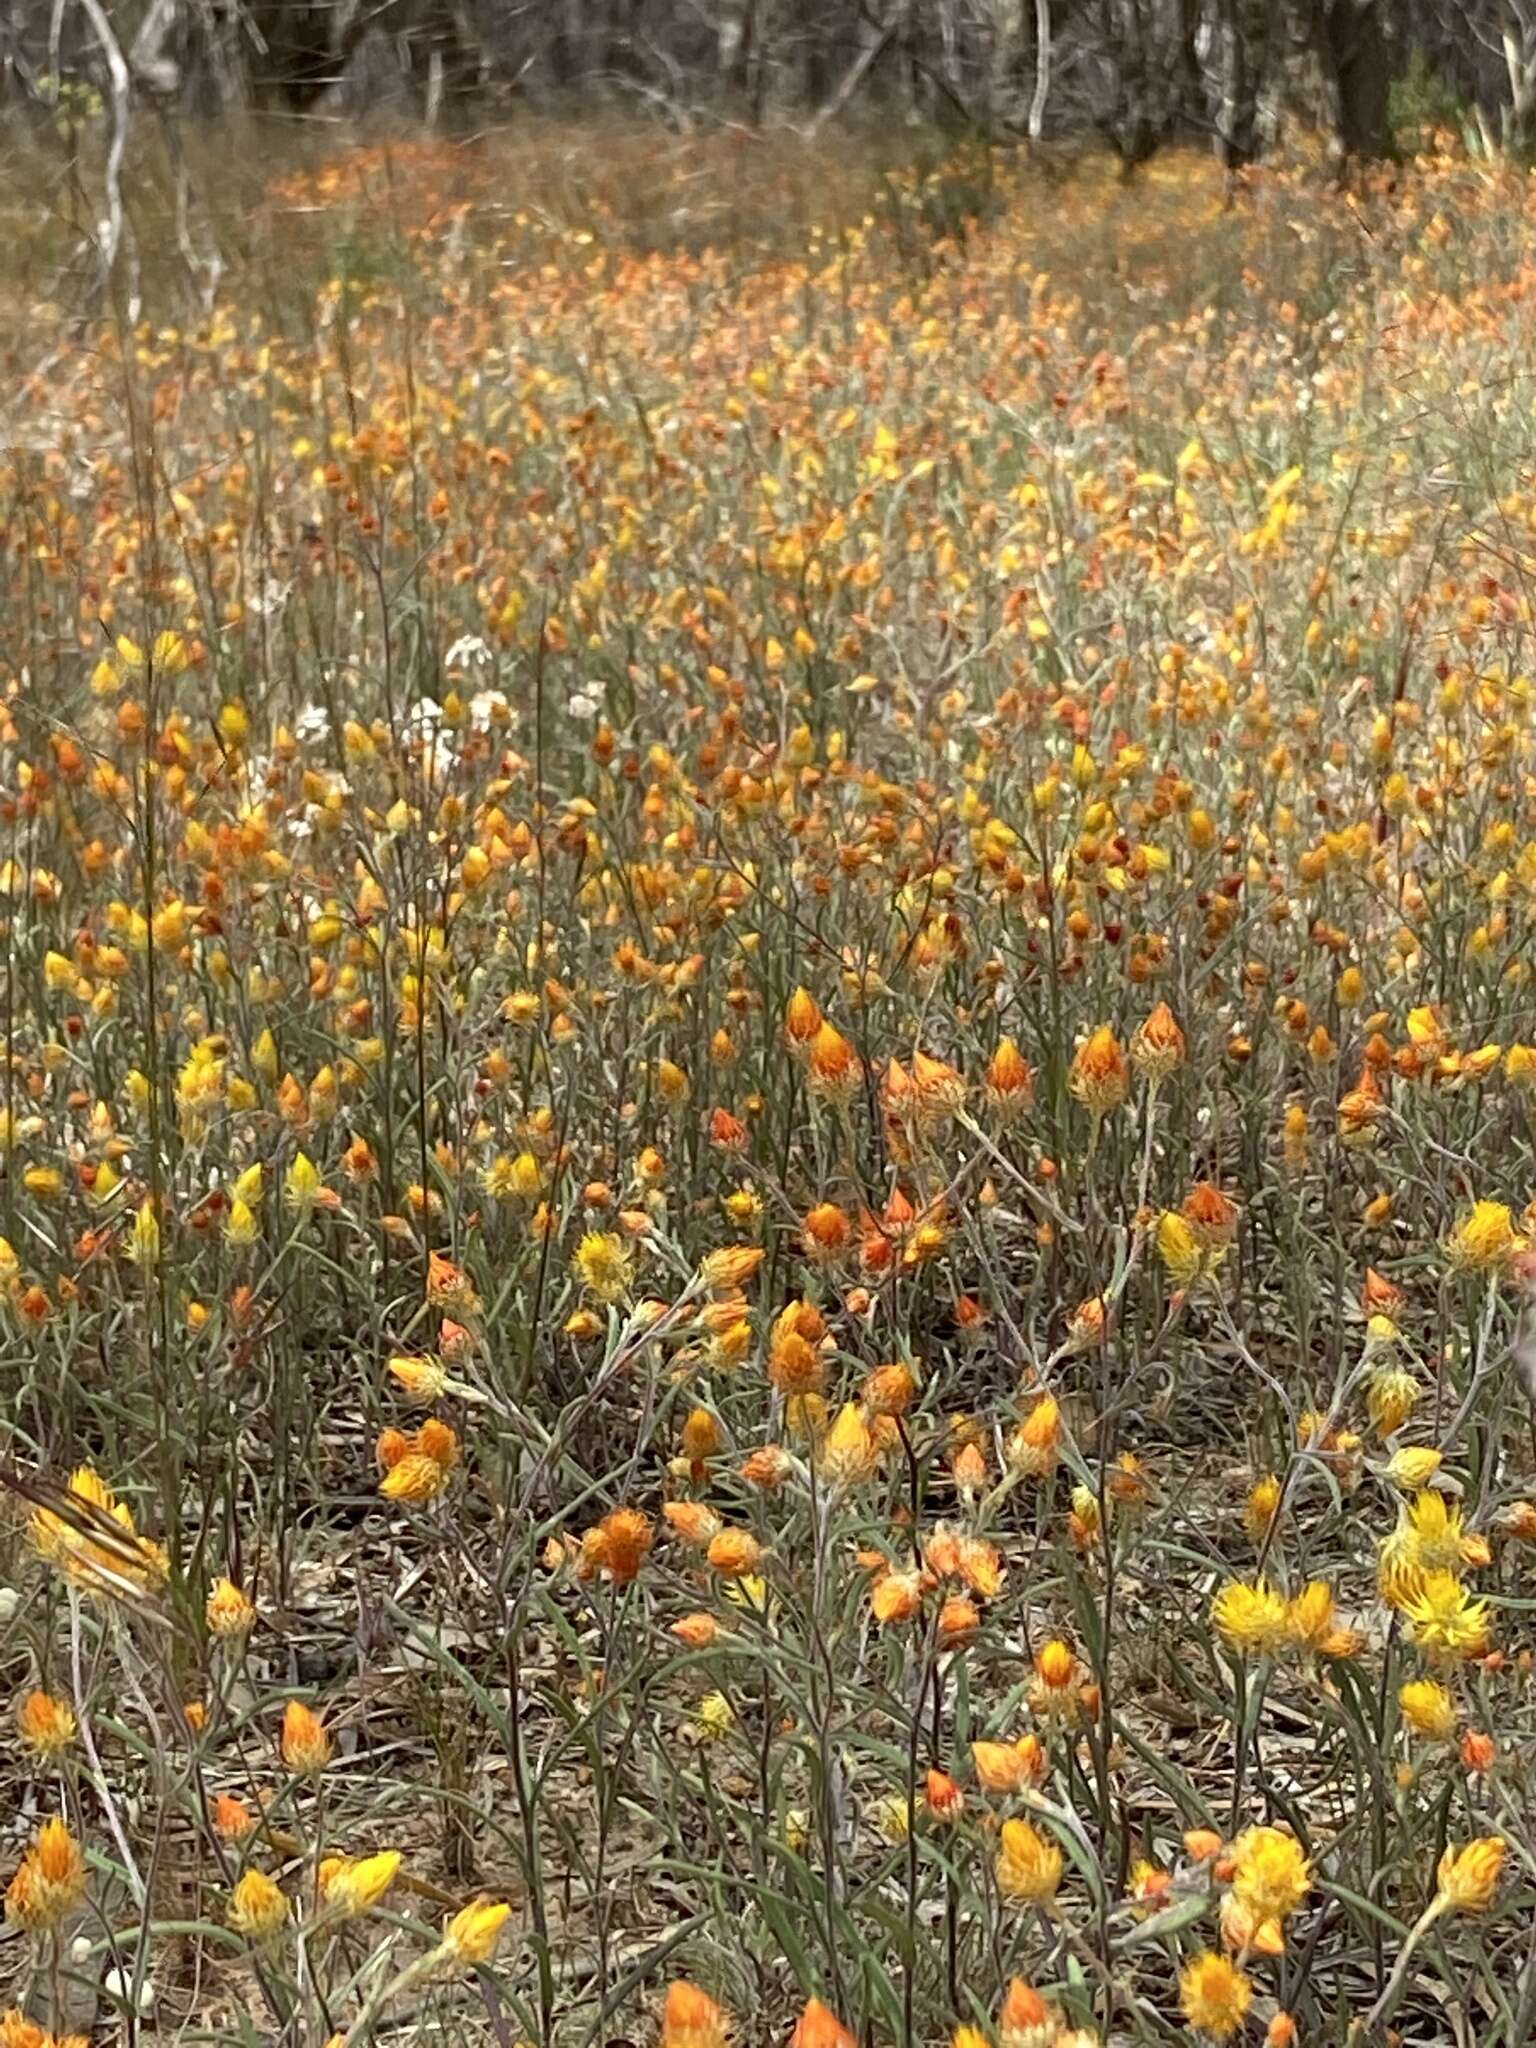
[(1270, 1875), (257, 1909), (471, 1936), (1250, 1618), (1309, 1617), (1179, 1249), (1468, 1877), (602, 1264), (1484, 1239), (1028, 1866), (1445, 1619), (1428, 1709), (355, 1887), (1214, 1995)]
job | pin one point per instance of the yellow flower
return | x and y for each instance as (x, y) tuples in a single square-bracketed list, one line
[(1252, 1618), (258, 1909), (1028, 1866), (849, 1452), (1414, 1466), (422, 1378), (1270, 1875), (414, 1478), (1179, 1248), (1446, 1621), (301, 1185), (1214, 1995), (1391, 1397), (144, 1240), (1483, 1239), (358, 1887), (471, 1936), (1428, 1709), (1309, 1617), (241, 1225), (1430, 1536), (715, 1717), (1468, 1877), (602, 1264), (1263, 1506)]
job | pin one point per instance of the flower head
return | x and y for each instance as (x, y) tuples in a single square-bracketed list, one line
[(1028, 1866), (1270, 1874), (1157, 1045), (1445, 1619), (1252, 1618), (602, 1264), (257, 1909), (1484, 1239), (1214, 1995), (1428, 1709), (50, 1881), (357, 1886), (691, 2019), (1468, 1877), (471, 1936), (229, 1611), (47, 1726), (1099, 1075), (306, 1746), (819, 2027)]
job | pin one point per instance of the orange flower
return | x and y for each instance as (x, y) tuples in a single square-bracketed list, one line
[(896, 1597), (1211, 1216), (959, 1623), (696, 1631), (692, 1521), (691, 2019), (229, 1611), (820, 2028), (1034, 1446), (232, 1818), (306, 1746), (943, 1797), (1010, 1083), (825, 1233), (890, 1390), (414, 1478), (735, 1553), (802, 1019), (834, 1065), (1157, 1046), (47, 1725), (619, 1545), (1026, 2021), (50, 1881), (1099, 1077)]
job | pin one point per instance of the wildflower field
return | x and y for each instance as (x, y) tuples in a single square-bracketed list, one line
[(771, 1049)]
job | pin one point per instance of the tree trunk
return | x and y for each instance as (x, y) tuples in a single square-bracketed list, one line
[(1355, 53), (1242, 78)]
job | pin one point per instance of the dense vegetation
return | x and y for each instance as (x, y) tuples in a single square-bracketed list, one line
[(768, 1114)]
